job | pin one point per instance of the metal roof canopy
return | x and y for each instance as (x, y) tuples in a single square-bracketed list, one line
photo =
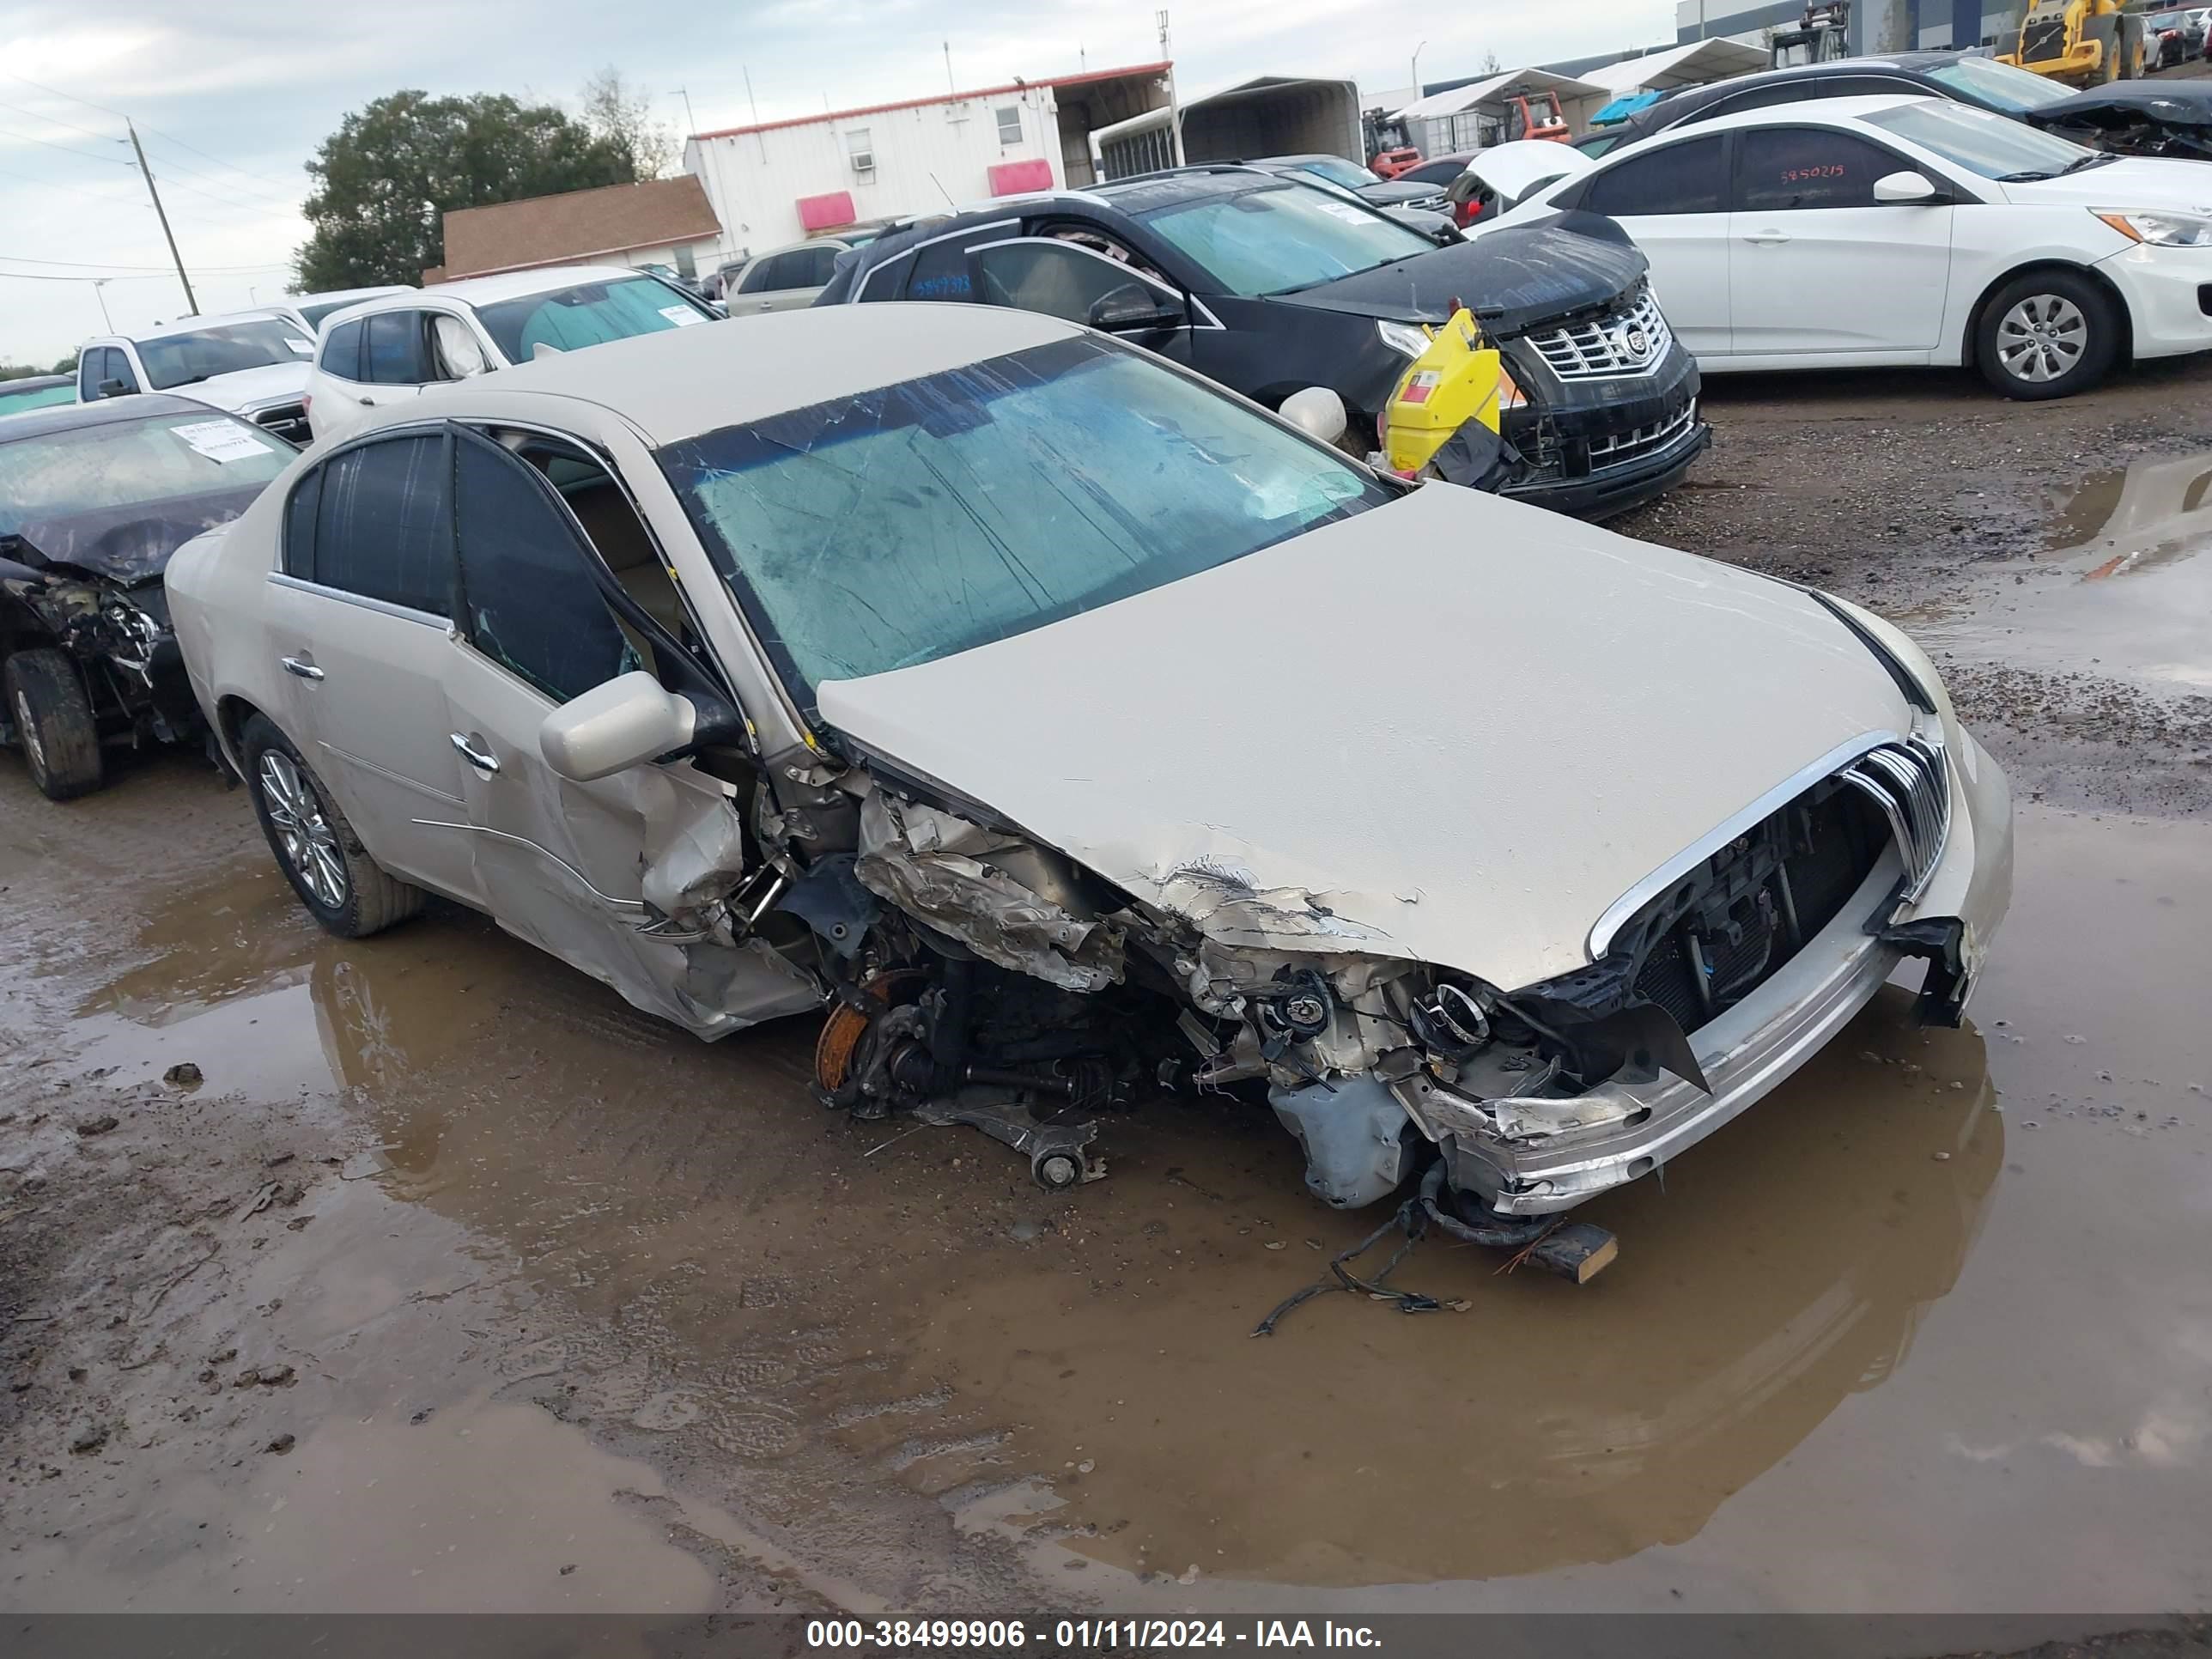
[(1259, 86), (1496, 89), (1692, 66)]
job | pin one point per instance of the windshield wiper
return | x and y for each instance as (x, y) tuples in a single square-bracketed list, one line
[(2030, 178), (2093, 160)]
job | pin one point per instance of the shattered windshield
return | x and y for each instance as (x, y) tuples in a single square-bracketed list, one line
[(1281, 238), (1999, 84), (92, 469), (932, 517), (175, 360)]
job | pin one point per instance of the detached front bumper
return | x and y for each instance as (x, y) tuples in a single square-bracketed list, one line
[(1637, 1126), (1606, 491)]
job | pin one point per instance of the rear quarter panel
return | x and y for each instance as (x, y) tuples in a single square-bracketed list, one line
[(217, 583)]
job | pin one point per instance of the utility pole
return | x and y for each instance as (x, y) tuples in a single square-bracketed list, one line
[(1417, 72), (192, 305), (951, 85), (1174, 109), (99, 286), (691, 121)]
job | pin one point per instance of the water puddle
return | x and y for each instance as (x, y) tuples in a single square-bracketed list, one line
[(2124, 593), (1934, 1303)]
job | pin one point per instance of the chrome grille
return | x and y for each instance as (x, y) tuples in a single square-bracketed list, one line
[(1606, 347), (1908, 781), (1619, 448), (1436, 204)]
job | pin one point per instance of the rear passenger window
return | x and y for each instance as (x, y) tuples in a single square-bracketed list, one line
[(384, 525), (941, 272), (300, 527), (397, 353), (342, 351), (1684, 178), (1780, 169), (530, 603)]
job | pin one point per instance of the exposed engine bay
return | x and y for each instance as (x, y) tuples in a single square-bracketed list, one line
[(115, 627), (982, 978)]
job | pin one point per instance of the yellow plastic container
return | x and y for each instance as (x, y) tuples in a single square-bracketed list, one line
[(1457, 380)]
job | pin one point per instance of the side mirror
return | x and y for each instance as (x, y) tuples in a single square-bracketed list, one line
[(1904, 189), (1134, 308), (116, 388), (626, 722), (1317, 412)]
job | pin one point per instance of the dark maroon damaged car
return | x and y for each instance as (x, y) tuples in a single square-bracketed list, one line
[(94, 500)]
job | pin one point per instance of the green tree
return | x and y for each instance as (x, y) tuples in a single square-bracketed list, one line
[(614, 110), (67, 366), (387, 177)]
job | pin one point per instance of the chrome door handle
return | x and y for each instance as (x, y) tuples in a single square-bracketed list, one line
[(1767, 238), (482, 760), (306, 670)]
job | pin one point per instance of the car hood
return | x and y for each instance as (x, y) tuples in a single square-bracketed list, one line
[(243, 388), (1392, 192), (128, 544), (1460, 726), (2133, 181), (1514, 278), (2161, 103), (1513, 169)]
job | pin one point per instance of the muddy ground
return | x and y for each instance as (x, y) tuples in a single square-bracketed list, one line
[(443, 1281)]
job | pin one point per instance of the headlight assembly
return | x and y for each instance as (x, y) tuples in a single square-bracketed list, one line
[(2161, 228), (1407, 338)]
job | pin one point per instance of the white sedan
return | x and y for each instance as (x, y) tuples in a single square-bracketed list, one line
[(1888, 231)]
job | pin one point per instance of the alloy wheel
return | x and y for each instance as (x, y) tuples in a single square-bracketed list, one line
[(2042, 337), (311, 846)]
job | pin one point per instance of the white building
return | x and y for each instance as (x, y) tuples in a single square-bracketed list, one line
[(778, 182)]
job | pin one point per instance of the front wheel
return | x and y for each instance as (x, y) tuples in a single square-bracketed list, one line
[(2048, 334), (54, 722), (345, 890)]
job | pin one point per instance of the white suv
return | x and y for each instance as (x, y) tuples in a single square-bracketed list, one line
[(386, 350), (250, 363)]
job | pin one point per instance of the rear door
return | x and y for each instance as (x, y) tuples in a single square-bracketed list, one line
[(1818, 265), (359, 621), (561, 864), (786, 280), (1671, 200), (337, 387)]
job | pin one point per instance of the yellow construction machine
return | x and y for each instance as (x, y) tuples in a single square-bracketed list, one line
[(2084, 43)]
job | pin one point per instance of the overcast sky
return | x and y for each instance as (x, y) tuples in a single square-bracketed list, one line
[(231, 96)]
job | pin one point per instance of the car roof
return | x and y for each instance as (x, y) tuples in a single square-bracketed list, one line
[(680, 382), (108, 412), (485, 290), (326, 296), (35, 383), (1818, 112)]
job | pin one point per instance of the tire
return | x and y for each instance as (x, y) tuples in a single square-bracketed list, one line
[(54, 722), (2046, 334), (344, 889)]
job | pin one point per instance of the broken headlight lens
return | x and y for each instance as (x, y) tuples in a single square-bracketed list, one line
[(2161, 230), (1409, 339)]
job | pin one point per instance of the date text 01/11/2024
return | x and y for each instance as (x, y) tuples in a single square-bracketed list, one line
[(1081, 1635)]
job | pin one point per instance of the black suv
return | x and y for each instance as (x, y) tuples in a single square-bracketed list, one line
[(2136, 118), (1269, 285)]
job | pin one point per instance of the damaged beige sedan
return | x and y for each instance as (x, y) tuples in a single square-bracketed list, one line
[(1064, 733)]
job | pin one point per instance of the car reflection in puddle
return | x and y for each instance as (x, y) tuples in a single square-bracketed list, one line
[(2122, 592), (1782, 1270)]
